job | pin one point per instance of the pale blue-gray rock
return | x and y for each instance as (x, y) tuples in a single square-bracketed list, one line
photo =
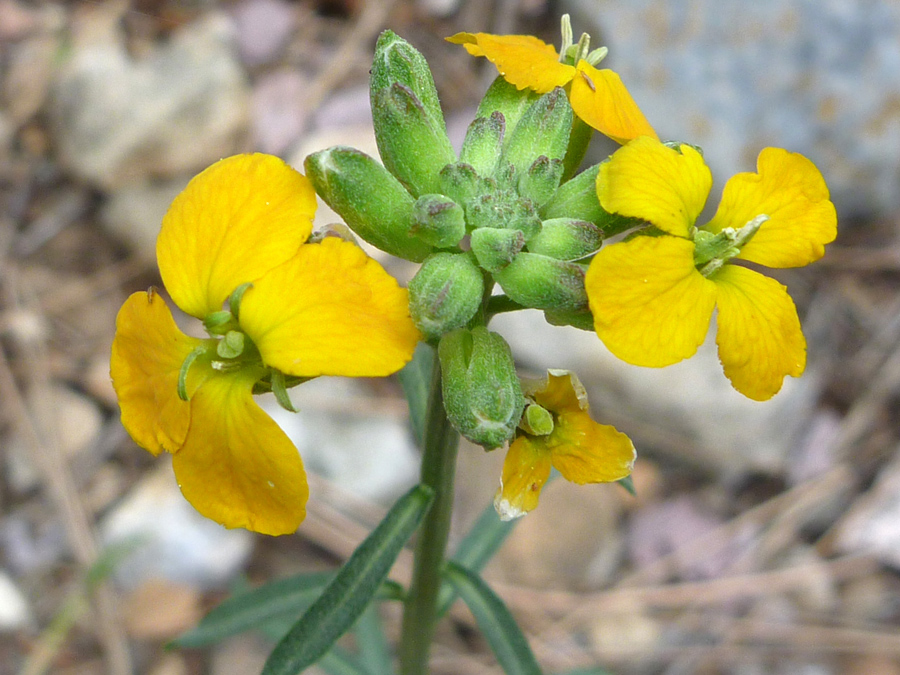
[(819, 77)]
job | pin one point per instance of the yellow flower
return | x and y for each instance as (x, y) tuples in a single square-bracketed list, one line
[(597, 96), (557, 430), (653, 296), (306, 310)]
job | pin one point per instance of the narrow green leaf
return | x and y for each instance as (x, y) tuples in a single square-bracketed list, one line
[(495, 621), (355, 585), (415, 378), (279, 599), (628, 484), (476, 549), (338, 661), (374, 650)]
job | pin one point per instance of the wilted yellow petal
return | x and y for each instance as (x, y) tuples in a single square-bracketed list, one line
[(584, 451), (147, 353), (560, 391), (645, 179), (525, 470), (600, 99), (651, 307), (759, 335), (522, 60), (330, 310), (790, 190), (234, 221), (237, 466)]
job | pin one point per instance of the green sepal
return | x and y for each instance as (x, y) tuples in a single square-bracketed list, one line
[(396, 60), (412, 147), (351, 591), (581, 319), (483, 143), (219, 323), (445, 293), (495, 249), (369, 199), (567, 239), (438, 220), (510, 102), (234, 300), (181, 387), (628, 484), (577, 198), (495, 621), (539, 183), (279, 389), (541, 282), (482, 394), (543, 130)]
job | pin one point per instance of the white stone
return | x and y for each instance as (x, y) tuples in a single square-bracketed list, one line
[(172, 540)]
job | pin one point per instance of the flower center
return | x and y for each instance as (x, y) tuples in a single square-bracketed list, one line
[(711, 251)]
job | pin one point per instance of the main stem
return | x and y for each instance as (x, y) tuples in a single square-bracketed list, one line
[(441, 442)]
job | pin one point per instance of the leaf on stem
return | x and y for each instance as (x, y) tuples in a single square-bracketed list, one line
[(351, 591), (495, 621)]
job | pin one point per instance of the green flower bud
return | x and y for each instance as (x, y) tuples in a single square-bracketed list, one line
[(579, 140), (540, 182), (461, 182), (566, 239), (482, 394), (543, 130), (482, 146), (495, 249), (537, 421), (445, 293), (540, 282), (396, 60), (412, 146), (503, 209), (577, 198), (504, 98), (438, 220), (371, 201)]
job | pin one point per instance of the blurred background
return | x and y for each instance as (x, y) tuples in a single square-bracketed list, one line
[(764, 538)]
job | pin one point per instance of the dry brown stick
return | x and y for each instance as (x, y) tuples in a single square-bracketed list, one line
[(38, 429)]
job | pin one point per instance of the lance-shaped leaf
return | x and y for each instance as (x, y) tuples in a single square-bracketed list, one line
[(347, 597), (495, 621)]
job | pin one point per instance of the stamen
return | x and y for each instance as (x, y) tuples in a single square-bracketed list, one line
[(183, 372)]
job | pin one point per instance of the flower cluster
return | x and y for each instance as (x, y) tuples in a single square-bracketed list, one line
[(234, 252)]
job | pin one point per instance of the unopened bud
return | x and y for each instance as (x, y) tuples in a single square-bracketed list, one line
[(495, 249), (577, 198), (482, 394), (483, 143), (438, 220), (369, 199), (566, 239), (543, 130), (540, 182), (540, 282), (504, 98), (445, 293)]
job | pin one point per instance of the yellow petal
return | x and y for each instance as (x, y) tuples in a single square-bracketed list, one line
[(560, 391), (584, 451), (790, 190), (523, 60), (234, 221), (147, 353), (645, 179), (600, 99), (759, 335), (330, 310), (651, 307), (237, 466), (525, 470)]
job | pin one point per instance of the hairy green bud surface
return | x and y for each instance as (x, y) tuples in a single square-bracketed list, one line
[(503, 209), (541, 282), (543, 130), (412, 146), (482, 145), (495, 249), (445, 293), (541, 180), (438, 220), (369, 199), (577, 198), (566, 239), (504, 98), (482, 394)]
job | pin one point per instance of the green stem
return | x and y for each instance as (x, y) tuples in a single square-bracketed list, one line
[(438, 470)]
